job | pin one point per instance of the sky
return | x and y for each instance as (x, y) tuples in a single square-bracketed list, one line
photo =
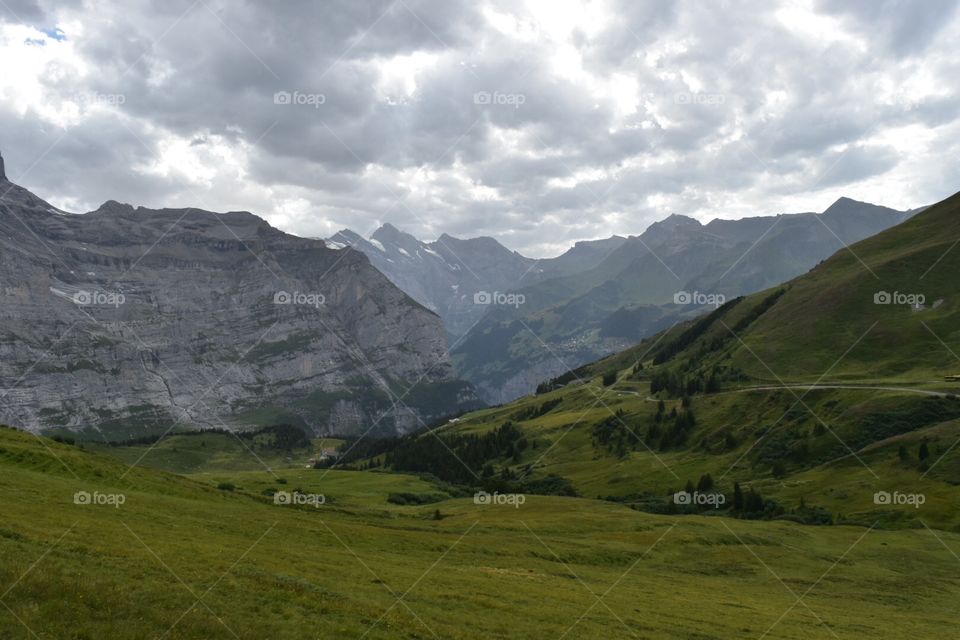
[(537, 122)]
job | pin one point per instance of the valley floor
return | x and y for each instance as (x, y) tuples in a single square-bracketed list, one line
[(182, 558)]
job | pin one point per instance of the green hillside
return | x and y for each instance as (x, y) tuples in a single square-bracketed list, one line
[(828, 321), (181, 558)]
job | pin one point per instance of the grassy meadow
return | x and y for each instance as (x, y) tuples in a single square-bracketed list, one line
[(181, 558)]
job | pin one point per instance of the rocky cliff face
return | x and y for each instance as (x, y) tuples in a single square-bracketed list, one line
[(126, 319)]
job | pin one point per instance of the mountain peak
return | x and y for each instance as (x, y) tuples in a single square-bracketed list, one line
[(114, 207), (387, 230), (347, 233), (675, 221), (845, 204), (581, 244), (3, 175), (844, 200), (677, 218), (490, 247), (480, 241), (389, 234)]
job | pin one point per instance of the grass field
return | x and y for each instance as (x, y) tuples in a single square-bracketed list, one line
[(182, 559), (191, 453)]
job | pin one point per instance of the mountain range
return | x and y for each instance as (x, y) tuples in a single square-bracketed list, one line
[(126, 320), (214, 319), (448, 274), (601, 296)]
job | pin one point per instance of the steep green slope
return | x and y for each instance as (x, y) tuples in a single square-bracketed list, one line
[(824, 313)]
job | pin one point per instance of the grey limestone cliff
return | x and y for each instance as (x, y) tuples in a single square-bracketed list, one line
[(126, 319)]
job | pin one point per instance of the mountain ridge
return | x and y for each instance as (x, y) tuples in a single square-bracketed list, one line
[(446, 274), (634, 290)]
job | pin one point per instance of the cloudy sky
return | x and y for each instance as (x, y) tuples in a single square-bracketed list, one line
[(539, 122)]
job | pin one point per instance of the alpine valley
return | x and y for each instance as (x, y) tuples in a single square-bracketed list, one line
[(600, 296), (783, 466)]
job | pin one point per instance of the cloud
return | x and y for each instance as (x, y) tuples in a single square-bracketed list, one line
[(539, 123), (21, 11), (902, 27)]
